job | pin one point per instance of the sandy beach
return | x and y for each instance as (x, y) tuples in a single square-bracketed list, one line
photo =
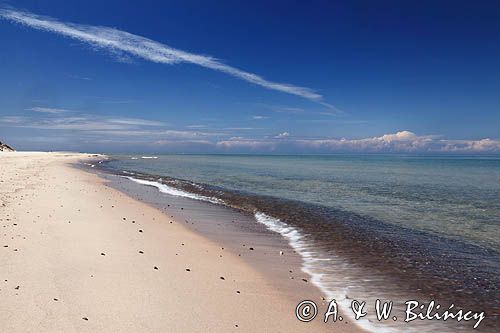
[(80, 256)]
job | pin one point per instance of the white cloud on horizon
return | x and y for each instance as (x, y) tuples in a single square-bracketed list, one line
[(283, 135), (246, 144), (122, 43), (404, 142), (176, 142), (48, 110), (116, 130), (400, 142)]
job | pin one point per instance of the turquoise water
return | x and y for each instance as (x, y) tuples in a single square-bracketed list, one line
[(452, 196), (396, 227)]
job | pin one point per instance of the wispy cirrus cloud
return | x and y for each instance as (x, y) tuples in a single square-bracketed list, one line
[(122, 43), (80, 122), (136, 122), (48, 110), (298, 111), (259, 117), (83, 78), (112, 129)]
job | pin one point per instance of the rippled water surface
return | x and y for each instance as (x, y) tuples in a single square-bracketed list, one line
[(456, 197), (367, 227)]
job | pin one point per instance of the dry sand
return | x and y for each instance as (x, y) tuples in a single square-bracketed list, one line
[(77, 255)]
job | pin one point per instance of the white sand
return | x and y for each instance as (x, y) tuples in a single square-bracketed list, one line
[(57, 220)]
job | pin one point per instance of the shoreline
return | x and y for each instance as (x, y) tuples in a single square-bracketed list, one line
[(359, 265), (239, 234), (348, 256), (82, 256)]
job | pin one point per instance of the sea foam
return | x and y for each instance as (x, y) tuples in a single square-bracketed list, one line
[(173, 191), (313, 260), (313, 265)]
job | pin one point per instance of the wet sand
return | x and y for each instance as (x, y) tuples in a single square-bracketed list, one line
[(349, 256), (81, 256)]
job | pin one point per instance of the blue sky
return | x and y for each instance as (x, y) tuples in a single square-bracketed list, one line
[(228, 76)]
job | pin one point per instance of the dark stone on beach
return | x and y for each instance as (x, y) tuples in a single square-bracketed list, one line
[(141, 252), (251, 248), (222, 278), (103, 254), (156, 268), (238, 292), (85, 318), (124, 219), (305, 280), (17, 288), (188, 270), (140, 230), (55, 299)]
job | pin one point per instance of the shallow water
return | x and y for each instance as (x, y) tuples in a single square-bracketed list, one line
[(396, 227), (452, 196)]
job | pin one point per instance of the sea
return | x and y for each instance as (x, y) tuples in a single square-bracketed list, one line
[(368, 227)]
